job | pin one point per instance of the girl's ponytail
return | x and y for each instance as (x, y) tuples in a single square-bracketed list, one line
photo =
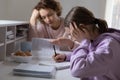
[(102, 25)]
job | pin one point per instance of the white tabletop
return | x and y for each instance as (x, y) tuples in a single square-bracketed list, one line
[(7, 67)]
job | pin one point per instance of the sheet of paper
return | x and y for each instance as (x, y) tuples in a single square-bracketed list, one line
[(58, 66), (43, 50)]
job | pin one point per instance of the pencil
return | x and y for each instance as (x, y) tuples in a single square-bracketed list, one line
[(54, 50)]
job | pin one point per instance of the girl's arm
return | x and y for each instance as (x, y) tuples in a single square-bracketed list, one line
[(86, 62)]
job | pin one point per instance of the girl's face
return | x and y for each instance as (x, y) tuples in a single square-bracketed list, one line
[(49, 16), (83, 32)]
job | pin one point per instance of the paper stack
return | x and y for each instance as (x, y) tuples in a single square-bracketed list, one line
[(34, 70)]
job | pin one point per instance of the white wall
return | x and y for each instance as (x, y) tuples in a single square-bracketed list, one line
[(21, 9), (96, 6), (16, 9), (3, 9)]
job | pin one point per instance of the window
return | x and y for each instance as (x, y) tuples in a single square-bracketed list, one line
[(113, 13)]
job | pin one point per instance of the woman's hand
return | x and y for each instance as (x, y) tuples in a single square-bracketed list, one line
[(63, 42), (34, 16), (59, 57)]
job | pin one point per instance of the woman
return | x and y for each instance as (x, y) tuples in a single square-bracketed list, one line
[(45, 20), (98, 55)]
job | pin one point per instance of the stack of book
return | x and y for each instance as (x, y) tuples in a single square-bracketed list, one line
[(10, 35), (34, 70)]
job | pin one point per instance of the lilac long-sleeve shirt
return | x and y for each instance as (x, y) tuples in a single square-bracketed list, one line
[(99, 60)]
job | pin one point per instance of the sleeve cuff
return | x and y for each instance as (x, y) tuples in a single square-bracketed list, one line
[(68, 56), (76, 44)]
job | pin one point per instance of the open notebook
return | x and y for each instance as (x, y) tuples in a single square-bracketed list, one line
[(43, 50), (34, 70), (58, 66)]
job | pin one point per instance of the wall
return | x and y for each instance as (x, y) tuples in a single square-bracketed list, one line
[(3, 9), (96, 6), (16, 9), (21, 9)]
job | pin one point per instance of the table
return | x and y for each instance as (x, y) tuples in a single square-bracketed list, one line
[(6, 68)]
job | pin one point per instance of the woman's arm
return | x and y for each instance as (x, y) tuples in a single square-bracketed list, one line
[(34, 17)]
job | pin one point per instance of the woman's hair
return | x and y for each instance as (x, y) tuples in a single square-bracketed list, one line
[(49, 4), (81, 15)]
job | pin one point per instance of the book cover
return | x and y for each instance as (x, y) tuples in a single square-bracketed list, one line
[(34, 70)]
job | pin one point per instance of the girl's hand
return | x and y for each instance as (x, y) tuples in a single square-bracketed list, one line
[(80, 33), (63, 42), (59, 57)]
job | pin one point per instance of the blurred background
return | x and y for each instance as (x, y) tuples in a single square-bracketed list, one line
[(22, 9)]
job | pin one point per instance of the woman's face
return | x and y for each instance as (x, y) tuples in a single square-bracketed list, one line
[(49, 16)]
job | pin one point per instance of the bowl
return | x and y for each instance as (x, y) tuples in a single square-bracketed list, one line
[(21, 58)]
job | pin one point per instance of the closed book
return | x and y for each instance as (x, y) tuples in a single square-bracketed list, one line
[(35, 70)]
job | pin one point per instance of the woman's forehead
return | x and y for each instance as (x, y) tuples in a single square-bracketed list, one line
[(45, 11)]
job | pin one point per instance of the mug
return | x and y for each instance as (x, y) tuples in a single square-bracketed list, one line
[(26, 46)]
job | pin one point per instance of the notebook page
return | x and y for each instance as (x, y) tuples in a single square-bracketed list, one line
[(42, 48), (58, 66)]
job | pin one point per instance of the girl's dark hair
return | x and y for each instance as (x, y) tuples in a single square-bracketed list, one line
[(49, 4), (81, 15)]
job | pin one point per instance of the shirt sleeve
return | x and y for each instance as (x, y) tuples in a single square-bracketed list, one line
[(86, 62), (68, 56), (36, 31), (32, 32), (76, 44)]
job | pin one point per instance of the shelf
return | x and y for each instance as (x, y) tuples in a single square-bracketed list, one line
[(21, 37), (2, 53), (1, 44), (1, 62), (10, 41), (2, 35), (12, 33)]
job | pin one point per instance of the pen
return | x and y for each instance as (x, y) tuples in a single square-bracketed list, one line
[(54, 50)]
